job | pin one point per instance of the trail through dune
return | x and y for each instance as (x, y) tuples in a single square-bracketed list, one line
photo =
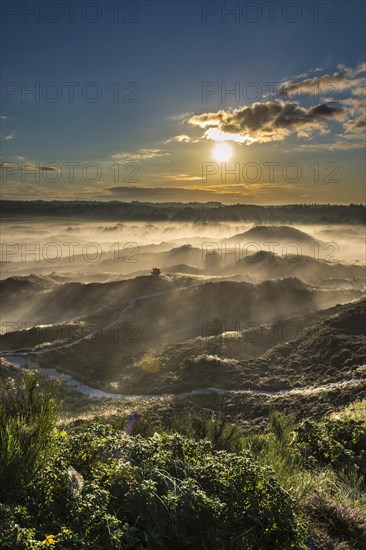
[(21, 359)]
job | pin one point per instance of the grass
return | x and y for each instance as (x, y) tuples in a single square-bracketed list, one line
[(333, 501), (354, 411)]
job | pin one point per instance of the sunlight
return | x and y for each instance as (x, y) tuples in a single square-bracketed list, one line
[(222, 152)]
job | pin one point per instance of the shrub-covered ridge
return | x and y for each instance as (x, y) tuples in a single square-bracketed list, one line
[(165, 491), (194, 481)]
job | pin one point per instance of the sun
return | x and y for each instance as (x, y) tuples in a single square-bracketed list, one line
[(222, 152)]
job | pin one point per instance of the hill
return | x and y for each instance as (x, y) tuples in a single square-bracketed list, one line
[(274, 233)]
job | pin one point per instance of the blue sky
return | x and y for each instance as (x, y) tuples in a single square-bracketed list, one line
[(161, 54)]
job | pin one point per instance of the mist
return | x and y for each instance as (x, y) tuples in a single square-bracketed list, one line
[(75, 292)]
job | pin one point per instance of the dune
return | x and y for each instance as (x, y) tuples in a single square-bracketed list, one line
[(274, 233)]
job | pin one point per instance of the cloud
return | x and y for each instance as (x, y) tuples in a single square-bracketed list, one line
[(304, 75), (263, 122), (182, 138), (354, 107), (276, 120), (359, 91), (355, 126), (259, 193), (141, 154), (156, 194), (182, 117), (8, 137), (343, 79), (179, 194), (182, 177), (218, 135), (336, 146), (27, 167), (311, 85), (353, 104)]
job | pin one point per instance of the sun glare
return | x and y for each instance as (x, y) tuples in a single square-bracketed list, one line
[(222, 152)]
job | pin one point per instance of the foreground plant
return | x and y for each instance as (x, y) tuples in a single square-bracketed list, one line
[(159, 492), (27, 418)]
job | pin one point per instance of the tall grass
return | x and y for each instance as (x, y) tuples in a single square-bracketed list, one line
[(27, 417), (202, 424), (273, 449), (322, 488)]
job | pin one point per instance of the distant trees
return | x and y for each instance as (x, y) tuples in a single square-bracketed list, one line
[(215, 327), (196, 212), (155, 272)]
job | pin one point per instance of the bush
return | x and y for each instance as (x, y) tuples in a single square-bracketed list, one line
[(339, 443), (27, 418), (161, 492), (200, 424)]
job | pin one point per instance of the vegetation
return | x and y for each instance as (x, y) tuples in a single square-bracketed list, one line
[(27, 418), (335, 442), (193, 211), (191, 480), (148, 353)]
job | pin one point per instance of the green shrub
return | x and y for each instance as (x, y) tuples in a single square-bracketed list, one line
[(161, 492), (339, 443), (179, 492), (183, 481), (27, 418), (199, 424)]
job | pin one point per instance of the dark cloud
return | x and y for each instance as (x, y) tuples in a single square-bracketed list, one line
[(268, 121)]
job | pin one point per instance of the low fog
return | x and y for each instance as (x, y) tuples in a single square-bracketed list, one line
[(114, 302), (90, 251)]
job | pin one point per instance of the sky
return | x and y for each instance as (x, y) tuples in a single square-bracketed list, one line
[(237, 102)]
